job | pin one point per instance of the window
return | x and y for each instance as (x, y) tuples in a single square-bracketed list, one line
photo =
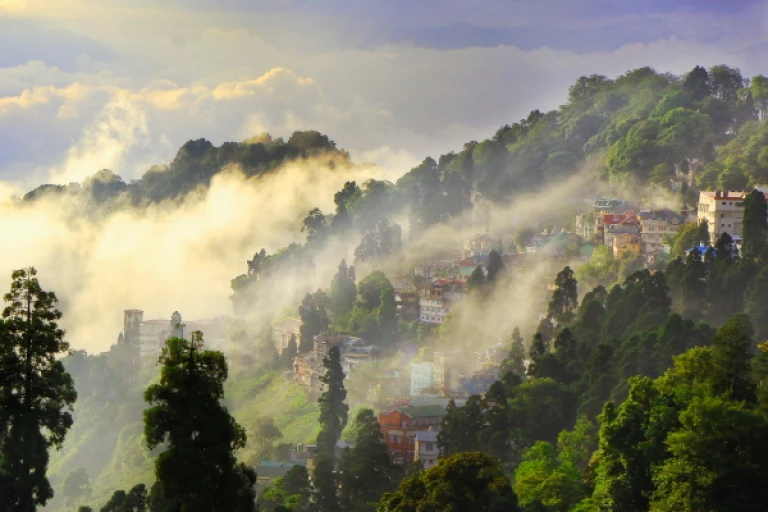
[(730, 203), (722, 215), (729, 225), (723, 203), (428, 447)]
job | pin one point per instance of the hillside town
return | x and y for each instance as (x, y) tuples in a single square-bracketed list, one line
[(412, 397)]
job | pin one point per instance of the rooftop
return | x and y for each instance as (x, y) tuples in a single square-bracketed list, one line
[(423, 411), (426, 436)]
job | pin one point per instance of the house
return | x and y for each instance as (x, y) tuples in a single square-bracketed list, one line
[(407, 305), (478, 246), (467, 266), (268, 471), (478, 382), (492, 356), (425, 448), (619, 224), (402, 285), (624, 243), (422, 377), (311, 449), (399, 427), (283, 331), (438, 299), (655, 227), (607, 206)]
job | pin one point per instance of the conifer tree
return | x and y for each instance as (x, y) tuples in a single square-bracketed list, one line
[(35, 392), (198, 469), (366, 469), (565, 297), (755, 226), (333, 418)]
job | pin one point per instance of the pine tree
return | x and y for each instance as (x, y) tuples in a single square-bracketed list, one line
[(343, 290), (515, 361), (35, 391), (198, 469), (495, 265), (565, 298), (333, 418), (366, 470)]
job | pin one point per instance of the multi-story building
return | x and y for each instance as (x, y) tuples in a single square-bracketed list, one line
[(283, 331), (438, 299), (400, 425), (655, 227), (607, 206), (150, 335), (619, 224), (478, 247), (724, 211), (425, 449), (422, 377), (624, 243)]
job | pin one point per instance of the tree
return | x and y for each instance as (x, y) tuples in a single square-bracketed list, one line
[(476, 279), (495, 265), (696, 83), (333, 409), (725, 83), (343, 290), (758, 86), (134, 501), (186, 415), (77, 486), (314, 318), (465, 481), (268, 434), (386, 313), (755, 304), (515, 360), (35, 392), (524, 238), (290, 352), (370, 289), (460, 427), (565, 298), (366, 470), (755, 226), (333, 418), (702, 235)]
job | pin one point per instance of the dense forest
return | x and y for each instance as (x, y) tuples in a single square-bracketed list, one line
[(643, 390)]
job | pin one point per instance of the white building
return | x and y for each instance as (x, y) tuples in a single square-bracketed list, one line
[(724, 211), (655, 227), (422, 377), (426, 449), (437, 300)]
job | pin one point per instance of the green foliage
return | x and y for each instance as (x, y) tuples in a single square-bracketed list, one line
[(343, 290), (187, 417), (755, 226), (314, 318), (370, 288), (565, 297), (77, 486), (366, 471), (466, 481), (333, 409), (133, 501), (35, 392)]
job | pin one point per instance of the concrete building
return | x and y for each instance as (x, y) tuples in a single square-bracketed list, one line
[(150, 335), (655, 227), (449, 366), (422, 378), (625, 243), (619, 224), (425, 448), (724, 211), (478, 247), (308, 368), (438, 299), (607, 206)]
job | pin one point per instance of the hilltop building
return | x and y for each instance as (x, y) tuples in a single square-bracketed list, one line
[(150, 335), (655, 226), (425, 449), (438, 299), (400, 425), (282, 332), (307, 368)]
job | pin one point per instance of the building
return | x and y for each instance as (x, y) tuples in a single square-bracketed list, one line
[(425, 448), (492, 356), (282, 332), (619, 224), (150, 335), (407, 305), (724, 211), (478, 247), (438, 299), (607, 206), (399, 427), (466, 267), (449, 365), (307, 368), (625, 243), (422, 378), (478, 382), (655, 227)]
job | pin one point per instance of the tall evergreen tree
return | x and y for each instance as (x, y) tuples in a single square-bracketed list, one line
[(314, 318), (515, 360), (35, 392), (495, 265), (366, 470), (343, 290), (755, 227), (333, 418), (198, 470)]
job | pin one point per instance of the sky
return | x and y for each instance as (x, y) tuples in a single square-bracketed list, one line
[(92, 84)]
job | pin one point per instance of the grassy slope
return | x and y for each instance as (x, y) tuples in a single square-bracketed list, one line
[(107, 438)]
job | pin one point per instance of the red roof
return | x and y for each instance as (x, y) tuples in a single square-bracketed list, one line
[(467, 262), (620, 219)]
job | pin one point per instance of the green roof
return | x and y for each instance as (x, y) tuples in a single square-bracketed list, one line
[(423, 411), (272, 469)]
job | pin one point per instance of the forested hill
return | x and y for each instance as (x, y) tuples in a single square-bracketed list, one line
[(196, 163)]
